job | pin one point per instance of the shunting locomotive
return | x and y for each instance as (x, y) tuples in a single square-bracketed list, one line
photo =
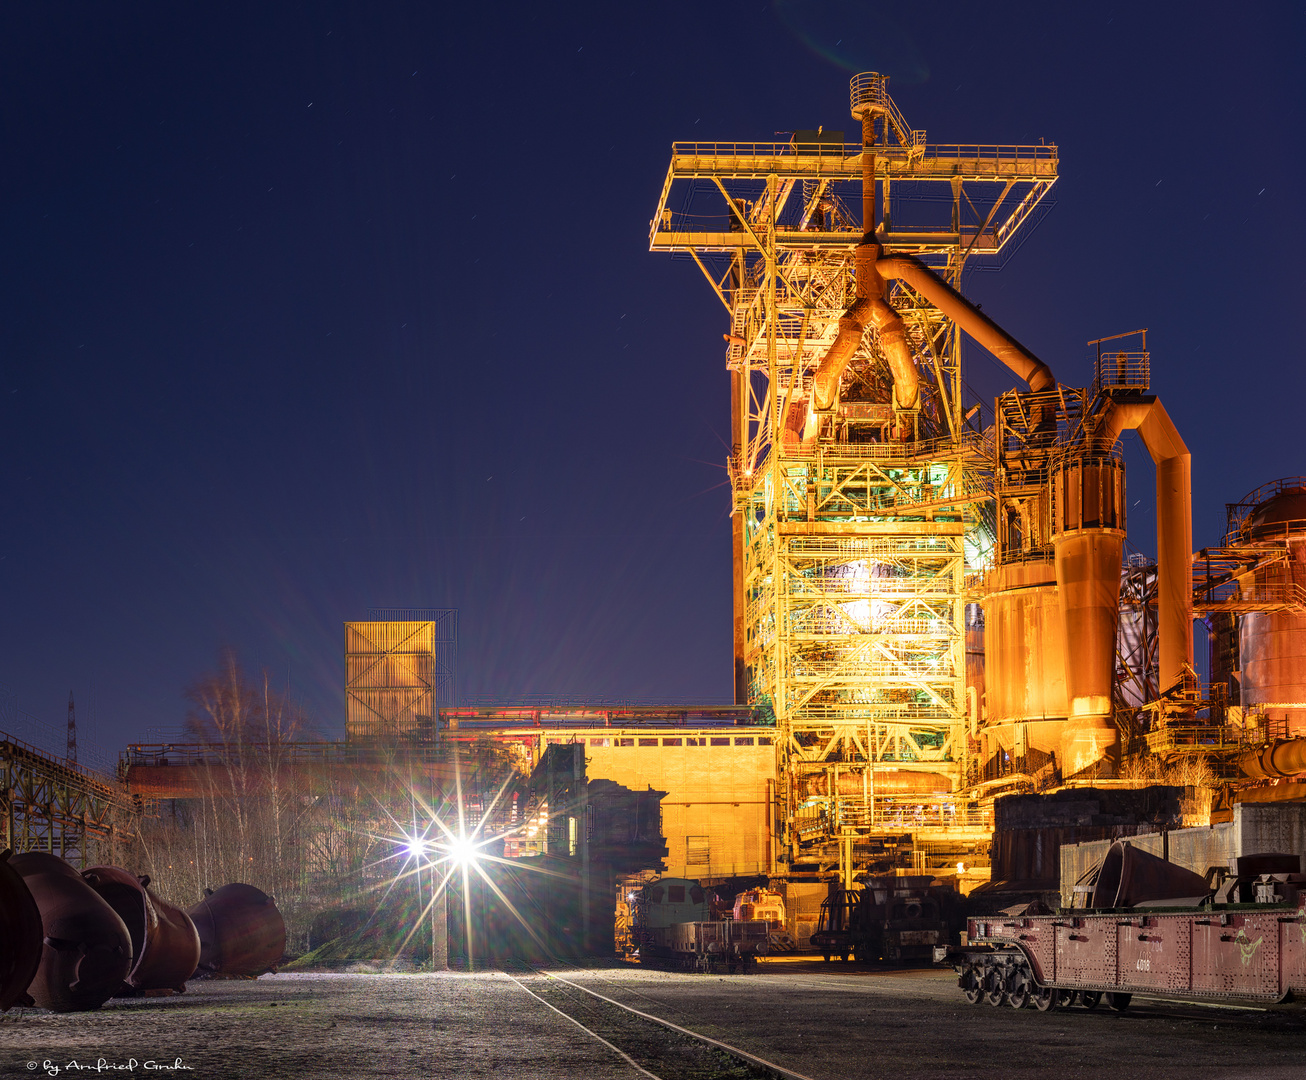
[(673, 925)]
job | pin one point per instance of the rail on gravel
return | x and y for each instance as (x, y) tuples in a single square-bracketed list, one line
[(654, 1047)]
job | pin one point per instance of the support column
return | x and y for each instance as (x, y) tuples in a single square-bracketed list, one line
[(581, 789), (439, 927)]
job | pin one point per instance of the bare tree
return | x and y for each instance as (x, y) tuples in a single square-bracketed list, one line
[(244, 826)]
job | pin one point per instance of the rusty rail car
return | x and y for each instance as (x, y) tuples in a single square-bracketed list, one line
[(673, 926), (1245, 941), (1239, 953)]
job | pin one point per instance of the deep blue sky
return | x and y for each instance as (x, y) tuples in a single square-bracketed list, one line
[(313, 308)]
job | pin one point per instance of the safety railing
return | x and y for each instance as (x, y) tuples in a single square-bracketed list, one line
[(1194, 737), (23, 752), (945, 151), (1122, 371)]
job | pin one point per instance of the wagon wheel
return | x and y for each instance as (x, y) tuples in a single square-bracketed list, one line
[(1064, 998), (1090, 998), (995, 993), (1119, 1002), (1045, 998), (971, 986), (1020, 992)]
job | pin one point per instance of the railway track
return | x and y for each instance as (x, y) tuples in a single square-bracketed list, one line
[(654, 1047), (1143, 1007)]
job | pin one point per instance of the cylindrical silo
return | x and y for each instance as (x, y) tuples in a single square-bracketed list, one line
[(1088, 530), (1024, 661), (1272, 644)]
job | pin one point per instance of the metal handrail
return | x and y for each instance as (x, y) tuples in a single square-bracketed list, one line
[(965, 151), (1122, 371)]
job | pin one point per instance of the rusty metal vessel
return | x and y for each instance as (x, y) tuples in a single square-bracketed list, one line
[(165, 943), (241, 931), (87, 950), (20, 937)]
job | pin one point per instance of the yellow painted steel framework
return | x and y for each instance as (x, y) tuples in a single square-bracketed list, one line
[(851, 549), (47, 804)]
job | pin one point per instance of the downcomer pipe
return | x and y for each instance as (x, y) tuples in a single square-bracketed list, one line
[(990, 335), (1174, 525), (878, 312)]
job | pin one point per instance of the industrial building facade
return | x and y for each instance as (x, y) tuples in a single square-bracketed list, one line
[(717, 813)]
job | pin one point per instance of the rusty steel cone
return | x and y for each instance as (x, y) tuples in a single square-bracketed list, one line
[(241, 931)]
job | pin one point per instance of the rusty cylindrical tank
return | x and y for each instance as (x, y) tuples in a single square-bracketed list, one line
[(87, 950), (20, 937), (1272, 644), (1088, 535), (1024, 658), (241, 931), (165, 943)]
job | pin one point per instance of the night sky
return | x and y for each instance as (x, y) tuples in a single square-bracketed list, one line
[(314, 308)]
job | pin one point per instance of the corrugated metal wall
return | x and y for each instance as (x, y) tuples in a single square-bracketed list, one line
[(389, 680)]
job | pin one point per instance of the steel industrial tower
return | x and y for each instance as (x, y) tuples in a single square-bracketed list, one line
[(860, 486)]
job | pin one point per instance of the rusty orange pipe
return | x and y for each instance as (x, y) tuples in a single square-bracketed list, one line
[(1174, 525), (883, 782), (868, 179), (966, 315), (852, 324)]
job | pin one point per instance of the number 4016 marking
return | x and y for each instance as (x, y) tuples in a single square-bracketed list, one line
[(1143, 965)]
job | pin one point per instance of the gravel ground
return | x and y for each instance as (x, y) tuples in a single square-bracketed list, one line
[(308, 1026), (829, 1022), (812, 1018)]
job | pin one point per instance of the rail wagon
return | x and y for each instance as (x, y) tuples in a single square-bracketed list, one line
[(1244, 941), (898, 919)]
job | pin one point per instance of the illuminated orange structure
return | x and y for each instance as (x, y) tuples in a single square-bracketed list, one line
[(929, 606), (862, 492)]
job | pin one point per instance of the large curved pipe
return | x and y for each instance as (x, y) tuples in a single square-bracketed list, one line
[(852, 325), (878, 312), (1174, 524), (956, 307)]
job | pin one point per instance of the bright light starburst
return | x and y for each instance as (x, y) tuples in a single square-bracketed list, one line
[(455, 851)]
